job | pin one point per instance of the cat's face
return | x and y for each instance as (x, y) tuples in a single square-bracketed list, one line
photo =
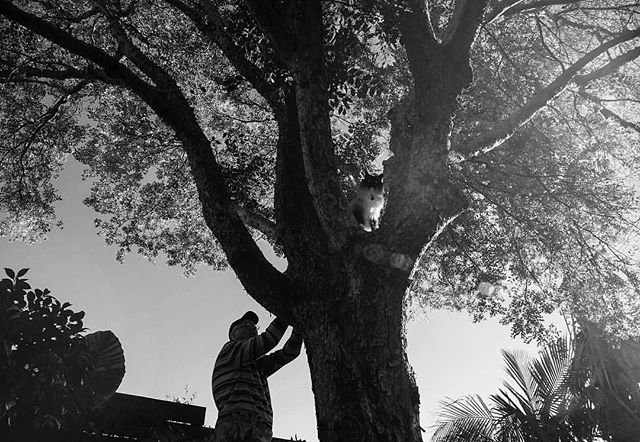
[(372, 181)]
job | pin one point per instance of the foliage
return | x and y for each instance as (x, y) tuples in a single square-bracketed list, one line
[(551, 215), (551, 223), (535, 405), (577, 389), (607, 371), (47, 372)]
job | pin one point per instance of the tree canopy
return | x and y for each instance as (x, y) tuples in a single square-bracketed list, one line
[(551, 216), (506, 130)]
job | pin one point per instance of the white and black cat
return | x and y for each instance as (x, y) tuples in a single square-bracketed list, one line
[(367, 204)]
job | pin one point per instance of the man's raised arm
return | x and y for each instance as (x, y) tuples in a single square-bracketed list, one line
[(271, 363)]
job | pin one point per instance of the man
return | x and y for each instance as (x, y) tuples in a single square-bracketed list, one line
[(239, 380)]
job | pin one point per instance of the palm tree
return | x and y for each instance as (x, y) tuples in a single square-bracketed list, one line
[(536, 405)]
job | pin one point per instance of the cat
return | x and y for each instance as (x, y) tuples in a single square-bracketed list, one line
[(367, 204)]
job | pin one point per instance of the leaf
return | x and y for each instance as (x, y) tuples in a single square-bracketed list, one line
[(10, 273), (77, 316), (468, 418), (22, 272), (21, 285)]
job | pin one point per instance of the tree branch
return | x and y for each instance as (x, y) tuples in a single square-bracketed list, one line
[(300, 44), (618, 119), (500, 9), (463, 26), (110, 64), (609, 68), (505, 128), (19, 73), (510, 7), (261, 280), (272, 24), (45, 118), (209, 21), (257, 221), (417, 36), (607, 113), (158, 75)]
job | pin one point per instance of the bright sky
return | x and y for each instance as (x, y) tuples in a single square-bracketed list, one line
[(171, 328)]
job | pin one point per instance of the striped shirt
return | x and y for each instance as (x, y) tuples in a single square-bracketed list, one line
[(239, 380)]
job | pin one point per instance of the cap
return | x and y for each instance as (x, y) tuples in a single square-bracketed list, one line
[(251, 316)]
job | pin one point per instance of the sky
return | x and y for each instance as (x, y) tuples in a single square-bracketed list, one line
[(171, 327)]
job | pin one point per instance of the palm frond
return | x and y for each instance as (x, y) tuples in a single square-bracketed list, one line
[(512, 406), (551, 372), (465, 419), (511, 430), (518, 368)]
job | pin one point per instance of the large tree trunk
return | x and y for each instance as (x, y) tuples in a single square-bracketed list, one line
[(362, 383)]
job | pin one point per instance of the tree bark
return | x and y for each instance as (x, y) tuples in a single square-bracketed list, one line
[(362, 382)]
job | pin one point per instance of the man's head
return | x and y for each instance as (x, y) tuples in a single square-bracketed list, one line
[(244, 328)]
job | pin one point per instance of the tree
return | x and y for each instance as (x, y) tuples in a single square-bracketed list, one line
[(578, 389), (606, 374), (52, 375), (536, 405), (208, 125)]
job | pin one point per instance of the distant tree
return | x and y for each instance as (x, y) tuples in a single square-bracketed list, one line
[(186, 397), (51, 375), (207, 125)]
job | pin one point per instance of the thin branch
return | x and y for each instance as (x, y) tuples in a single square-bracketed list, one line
[(45, 118), (152, 70), (505, 128), (546, 46), (558, 18), (510, 7), (500, 9), (508, 57), (22, 73)]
